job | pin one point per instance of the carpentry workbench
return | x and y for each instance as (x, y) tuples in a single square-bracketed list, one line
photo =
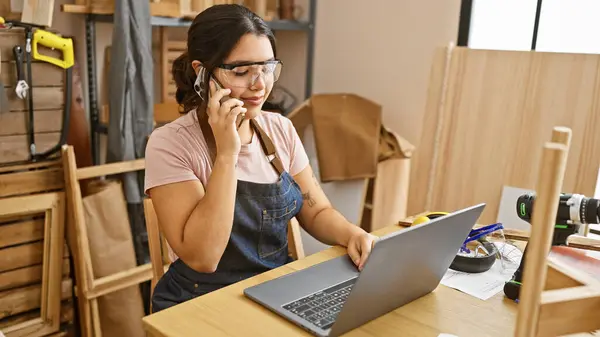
[(227, 312)]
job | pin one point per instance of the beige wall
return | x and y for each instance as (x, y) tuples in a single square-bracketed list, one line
[(383, 50)]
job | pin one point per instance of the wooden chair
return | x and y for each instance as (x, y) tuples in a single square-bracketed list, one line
[(557, 298), (159, 254), (89, 288)]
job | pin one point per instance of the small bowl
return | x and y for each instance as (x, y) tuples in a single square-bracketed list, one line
[(479, 264)]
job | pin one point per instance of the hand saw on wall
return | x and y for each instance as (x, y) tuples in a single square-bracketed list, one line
[(35, 35)]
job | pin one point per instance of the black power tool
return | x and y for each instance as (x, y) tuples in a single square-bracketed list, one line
[(574, 210)]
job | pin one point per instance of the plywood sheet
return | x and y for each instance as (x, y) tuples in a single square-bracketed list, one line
[(487, 117)]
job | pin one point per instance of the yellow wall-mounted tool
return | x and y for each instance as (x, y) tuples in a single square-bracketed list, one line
[(54, 41)]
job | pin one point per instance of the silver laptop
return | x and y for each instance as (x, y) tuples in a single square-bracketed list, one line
[(331, 298)]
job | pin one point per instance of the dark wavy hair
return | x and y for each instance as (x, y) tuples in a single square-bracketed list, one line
[(211, 38)]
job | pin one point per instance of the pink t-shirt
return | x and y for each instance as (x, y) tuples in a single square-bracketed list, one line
[(177, 152)]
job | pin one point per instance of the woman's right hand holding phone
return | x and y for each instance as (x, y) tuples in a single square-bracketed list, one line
[(222, 118)]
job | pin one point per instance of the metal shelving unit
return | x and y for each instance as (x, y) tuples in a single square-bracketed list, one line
[(90, 38)]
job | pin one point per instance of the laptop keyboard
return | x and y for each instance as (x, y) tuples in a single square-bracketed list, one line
[(322, 308)]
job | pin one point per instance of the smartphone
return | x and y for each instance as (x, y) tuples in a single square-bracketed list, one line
[(218, 86)]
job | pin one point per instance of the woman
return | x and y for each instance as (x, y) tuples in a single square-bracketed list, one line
[(223, 201)]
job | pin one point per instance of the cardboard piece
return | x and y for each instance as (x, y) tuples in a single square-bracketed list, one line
[(355, 150), (349, 136), (111, 249), (346, 129)]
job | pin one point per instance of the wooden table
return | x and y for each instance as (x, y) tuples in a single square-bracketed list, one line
[(227, 312)]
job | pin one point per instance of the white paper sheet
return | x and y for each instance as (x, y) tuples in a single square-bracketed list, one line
[(486, 285)]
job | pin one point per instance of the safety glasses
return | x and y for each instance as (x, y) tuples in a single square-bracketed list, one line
[(244, 75)]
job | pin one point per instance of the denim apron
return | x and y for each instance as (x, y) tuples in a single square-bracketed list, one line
[(258, 240)]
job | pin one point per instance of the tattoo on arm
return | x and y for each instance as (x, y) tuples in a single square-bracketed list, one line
[(315, 180), (309, 199)]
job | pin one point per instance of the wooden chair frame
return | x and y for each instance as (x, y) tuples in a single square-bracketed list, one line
[(556, 299), (158, 254), (52, 205), (89, 288)]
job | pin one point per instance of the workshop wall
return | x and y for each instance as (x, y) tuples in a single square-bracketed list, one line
[(384, 53), (383, 50), (47, 93)]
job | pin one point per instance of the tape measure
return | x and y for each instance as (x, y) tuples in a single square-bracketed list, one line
[(427, 217)]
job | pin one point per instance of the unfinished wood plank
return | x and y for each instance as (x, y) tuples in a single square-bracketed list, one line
[(574, 241), (54, 250), (16, 148), (575, 268), (296, 247), (66, 316), (582, 242), (156, 9), (121, 280), (21, 232), (21, 300), (39, 12), (185, 7), (85, 9), (154, 242), (442, 72), (44, 98), (49, 164), (492, 94), (166, 112), (14, 123), (77, 239), (7, 13), (171, 93), (27, 276), (110, 169), (165, 8), (181, 46), (164, 62), (59, 334), (570, 310), (172, 55), (45, 74), (13, 184), (557, 279), (21, 256)]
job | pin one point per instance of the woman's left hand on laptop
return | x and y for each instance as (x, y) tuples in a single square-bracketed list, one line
[(359, 247)]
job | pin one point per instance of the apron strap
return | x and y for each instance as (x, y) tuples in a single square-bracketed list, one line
[(268, 147)]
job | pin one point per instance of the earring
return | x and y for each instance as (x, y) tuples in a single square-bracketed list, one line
[(199, 85)]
